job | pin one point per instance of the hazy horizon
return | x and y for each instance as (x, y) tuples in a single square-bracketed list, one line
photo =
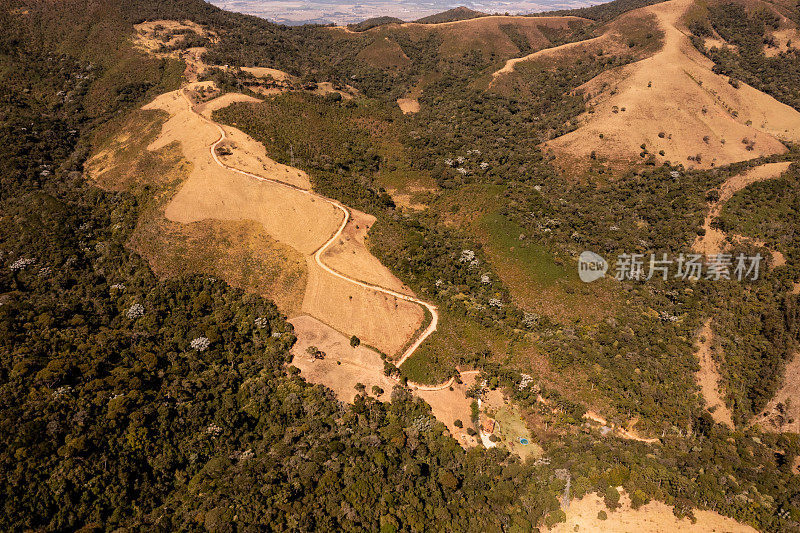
[(338, 12)]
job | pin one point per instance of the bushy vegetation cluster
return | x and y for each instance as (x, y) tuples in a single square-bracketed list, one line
[(750, 35), (761, 334), (451, 15), (499, 131), (368, 24)]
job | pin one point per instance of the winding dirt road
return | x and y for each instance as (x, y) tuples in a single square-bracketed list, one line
[(322, 249)]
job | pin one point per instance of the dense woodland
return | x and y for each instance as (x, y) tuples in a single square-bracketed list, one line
[(126, 401)]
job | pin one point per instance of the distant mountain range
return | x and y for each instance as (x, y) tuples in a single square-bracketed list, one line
[(340, 13)]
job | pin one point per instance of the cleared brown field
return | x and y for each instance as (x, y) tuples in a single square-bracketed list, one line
[(487, 34), (343, 366), (350, 256), (239, 251), (655, 517), (408, 106), (301, 221)]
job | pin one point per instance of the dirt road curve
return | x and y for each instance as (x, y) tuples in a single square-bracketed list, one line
[(319, 253)]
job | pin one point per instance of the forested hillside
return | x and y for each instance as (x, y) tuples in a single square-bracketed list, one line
[(124, 398), (129, 401)]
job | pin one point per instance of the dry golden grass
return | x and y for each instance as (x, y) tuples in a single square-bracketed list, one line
[(655, 517), (384, 53), (212, 192), (240, 252), (289, 216), (343, 366), (552, 53), (786, 38), (266, 72), (150, 35), (350, 256), (673, 102), (408, 106), (451, 405), (379, 320), (486, 33)]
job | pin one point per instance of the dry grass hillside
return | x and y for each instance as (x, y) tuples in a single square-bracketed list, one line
[(655, 517), (501, 36), (670, 103), (384, 53), (239, 251), (258, 235), (493, 34)]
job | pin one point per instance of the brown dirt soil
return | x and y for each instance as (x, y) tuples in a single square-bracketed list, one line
[(713, 242), (379, 320), (783, 36), (451, 405), (708, 377), (786, 418), (350, 256), (408, 106), (343, 366), (673, 102), (655, 517)]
